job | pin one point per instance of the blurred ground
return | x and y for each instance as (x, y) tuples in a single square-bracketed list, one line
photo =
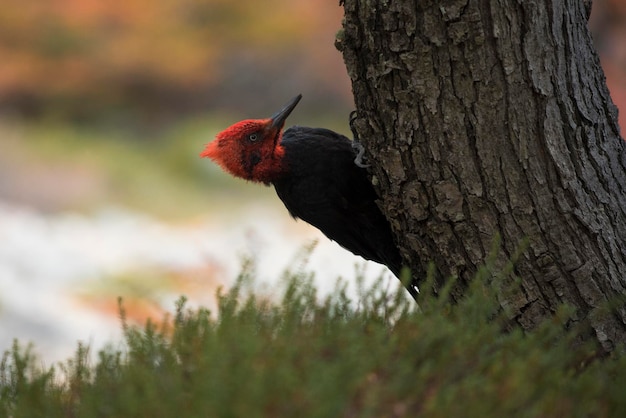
[(61, 274), (104, 107)]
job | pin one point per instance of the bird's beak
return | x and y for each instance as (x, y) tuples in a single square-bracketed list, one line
[(278, 120)]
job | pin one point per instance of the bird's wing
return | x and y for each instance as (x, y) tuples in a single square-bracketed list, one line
[(331, 193)]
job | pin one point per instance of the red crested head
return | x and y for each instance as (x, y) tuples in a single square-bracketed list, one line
[(251, 149)]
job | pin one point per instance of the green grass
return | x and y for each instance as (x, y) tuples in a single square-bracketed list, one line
[(376, 356)]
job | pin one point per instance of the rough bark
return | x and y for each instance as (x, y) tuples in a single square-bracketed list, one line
[(487, 118)]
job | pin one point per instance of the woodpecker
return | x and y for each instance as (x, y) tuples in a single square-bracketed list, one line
[(319, 176)]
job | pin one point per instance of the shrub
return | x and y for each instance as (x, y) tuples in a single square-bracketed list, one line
[(377, 356)]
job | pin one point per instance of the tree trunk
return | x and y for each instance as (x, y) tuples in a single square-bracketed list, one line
[(489, 119)]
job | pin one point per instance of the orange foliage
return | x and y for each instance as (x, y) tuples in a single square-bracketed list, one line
[(95, 48), (608, 23)]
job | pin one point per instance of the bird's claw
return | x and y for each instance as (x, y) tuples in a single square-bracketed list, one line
[(360, 160), (353, 117)]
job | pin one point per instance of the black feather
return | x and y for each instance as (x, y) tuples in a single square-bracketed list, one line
[(325, 188)]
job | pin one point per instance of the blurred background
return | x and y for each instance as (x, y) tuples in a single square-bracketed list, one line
[(104, 108)]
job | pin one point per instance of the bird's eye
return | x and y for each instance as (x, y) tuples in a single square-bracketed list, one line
[(253, 137)]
